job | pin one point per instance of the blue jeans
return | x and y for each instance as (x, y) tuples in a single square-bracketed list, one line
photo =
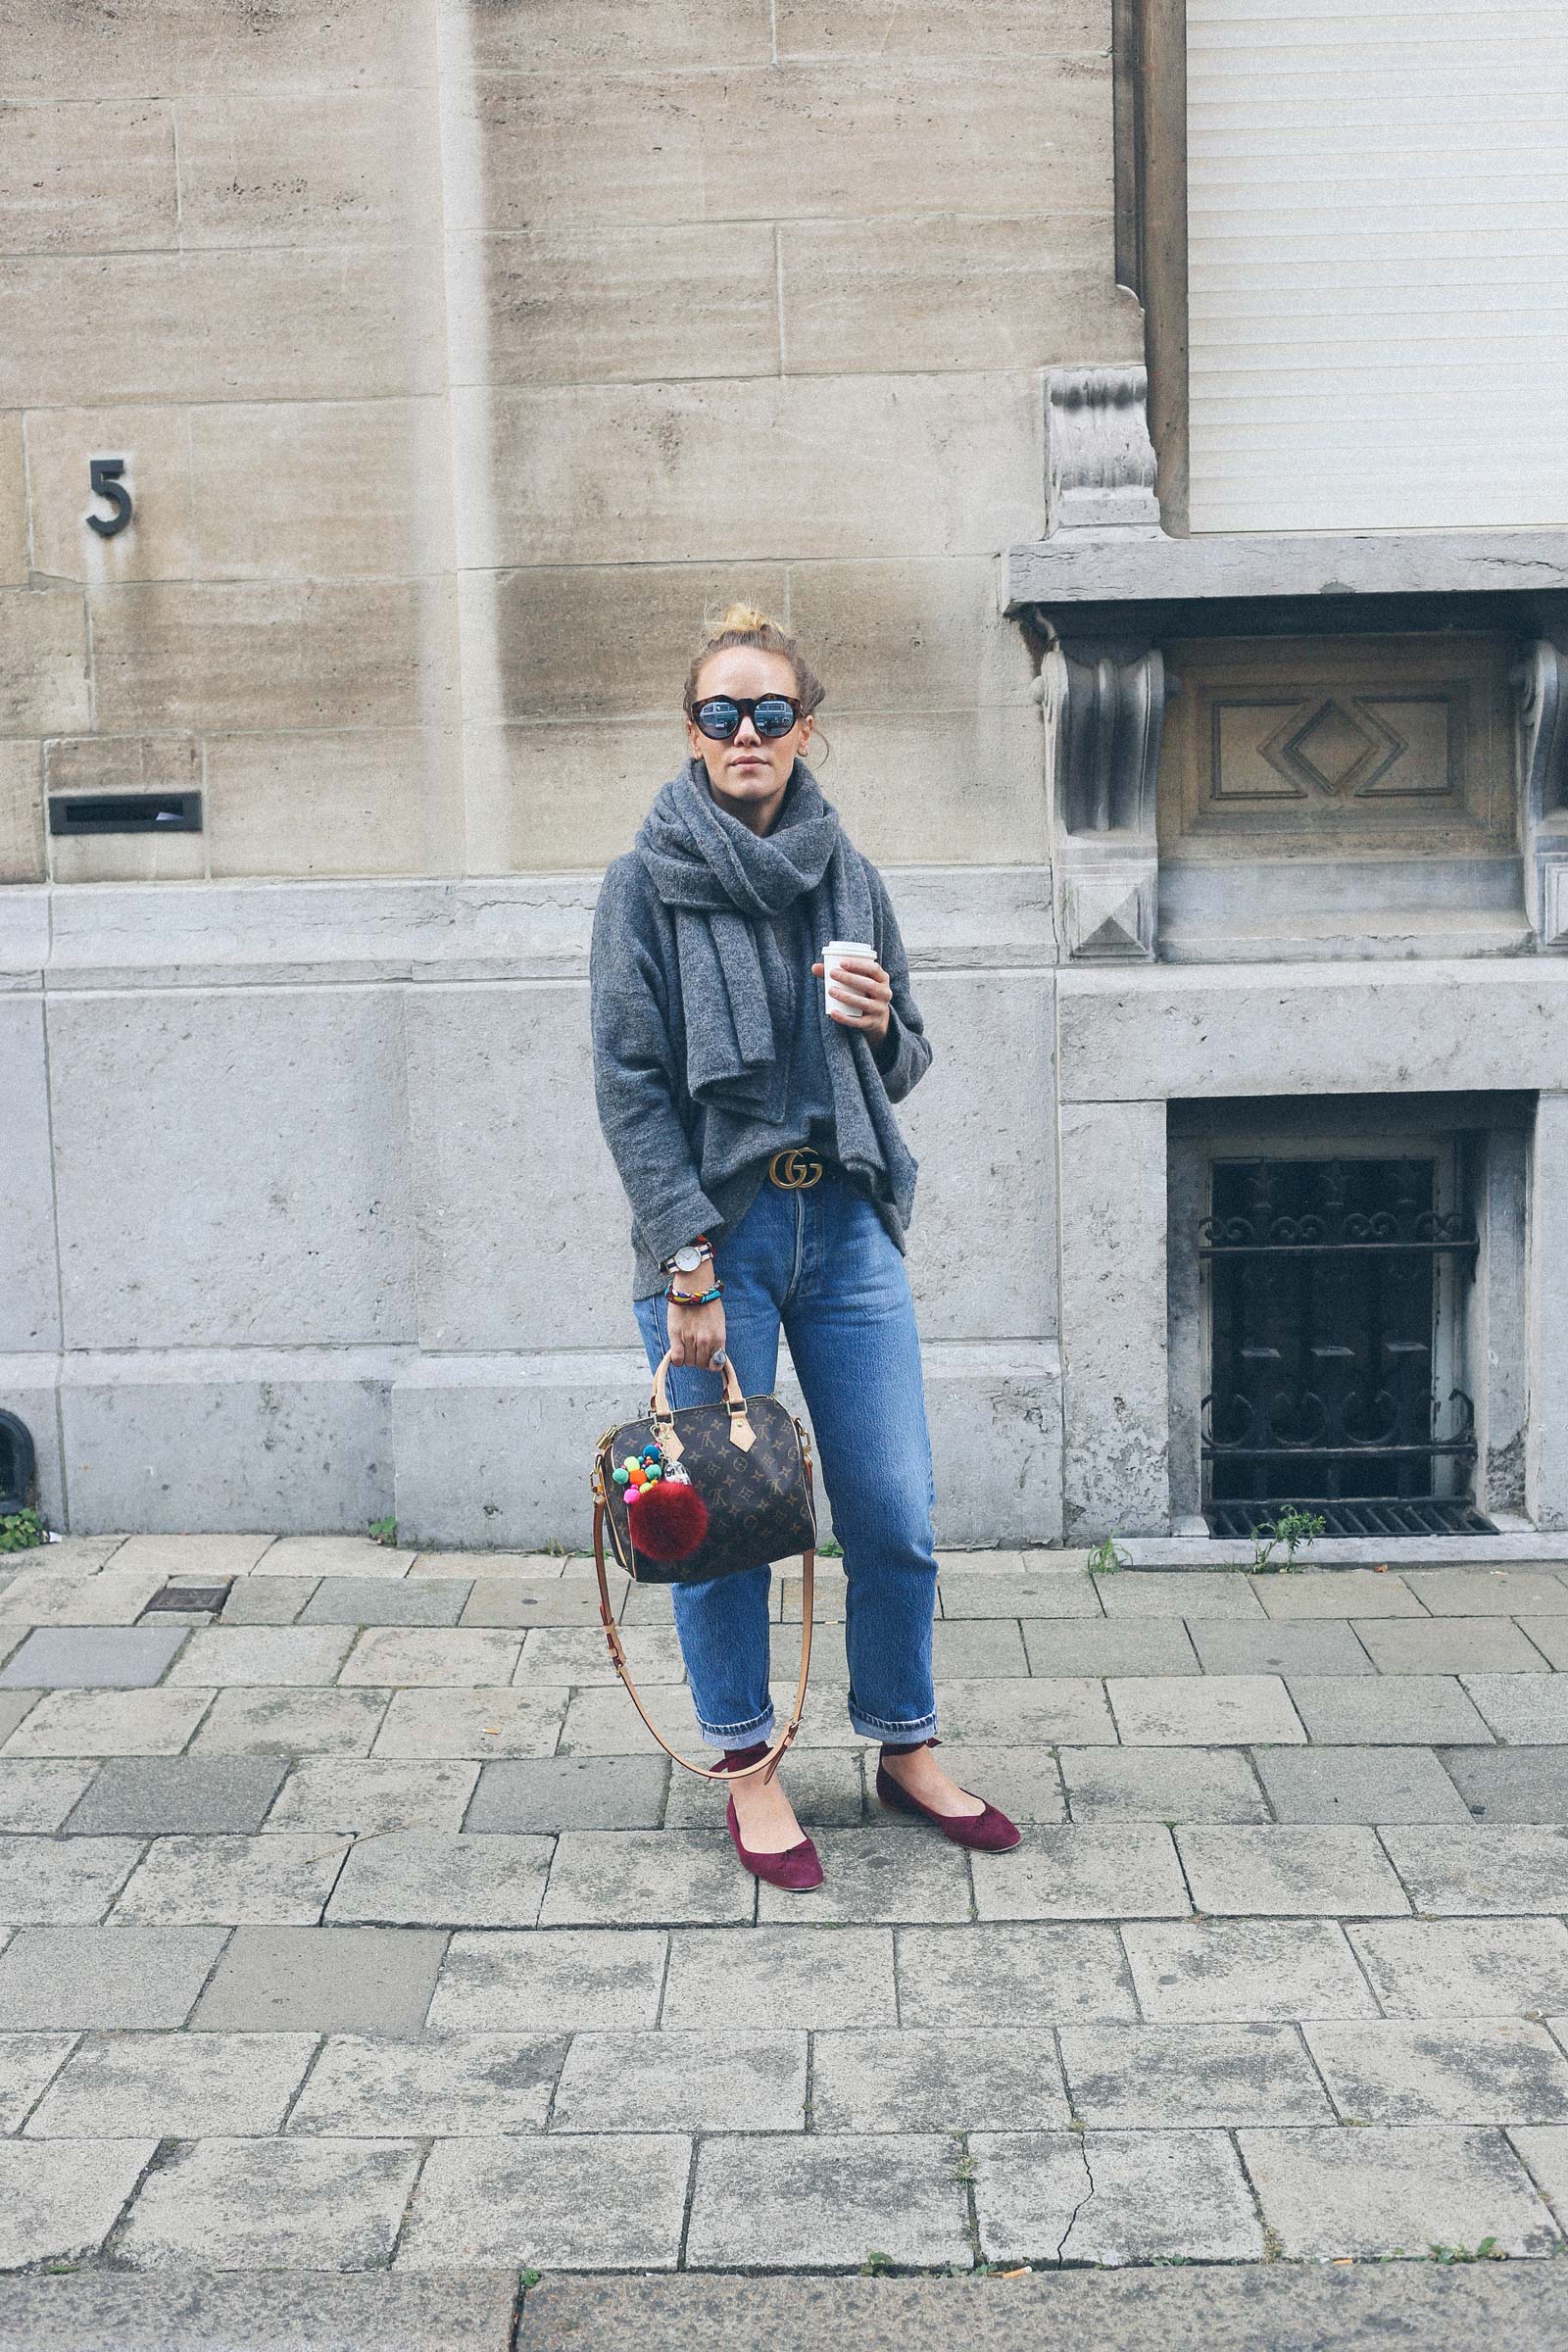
[(821, 1263)]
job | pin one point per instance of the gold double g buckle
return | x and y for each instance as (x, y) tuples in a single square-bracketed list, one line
[(794, 1170)]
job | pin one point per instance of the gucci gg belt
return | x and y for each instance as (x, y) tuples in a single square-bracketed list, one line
[(795, 1169)]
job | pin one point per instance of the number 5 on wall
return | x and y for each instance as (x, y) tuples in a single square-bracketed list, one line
[(105, 473)]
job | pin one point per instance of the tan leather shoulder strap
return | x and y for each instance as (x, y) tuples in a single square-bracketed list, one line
[(765, 1765)]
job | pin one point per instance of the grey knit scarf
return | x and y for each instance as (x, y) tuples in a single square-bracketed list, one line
[(740, 995)]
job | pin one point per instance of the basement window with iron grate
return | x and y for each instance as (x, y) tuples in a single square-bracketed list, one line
[(1331, 1288)]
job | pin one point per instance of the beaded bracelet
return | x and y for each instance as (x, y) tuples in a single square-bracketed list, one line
[(693, 1297)]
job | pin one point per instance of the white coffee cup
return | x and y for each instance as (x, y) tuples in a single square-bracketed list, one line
[(832, 953)]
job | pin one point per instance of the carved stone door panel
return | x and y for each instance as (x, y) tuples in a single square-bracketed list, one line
[(1403, 746)]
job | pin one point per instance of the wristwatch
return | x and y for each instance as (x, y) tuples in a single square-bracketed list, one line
[(687, 1258)]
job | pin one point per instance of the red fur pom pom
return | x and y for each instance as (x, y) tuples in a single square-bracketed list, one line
[(669, 1520)]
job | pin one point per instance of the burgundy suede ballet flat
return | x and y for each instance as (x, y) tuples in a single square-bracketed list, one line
[(798, 1868), (988, 1833)]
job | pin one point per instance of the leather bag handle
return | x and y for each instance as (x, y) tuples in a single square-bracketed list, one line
[(617, 1653)]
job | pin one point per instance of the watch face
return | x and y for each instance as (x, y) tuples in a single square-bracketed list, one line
[(689, 1258)]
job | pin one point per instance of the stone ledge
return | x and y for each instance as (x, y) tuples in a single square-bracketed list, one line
[(1086, 566), (91, 936)]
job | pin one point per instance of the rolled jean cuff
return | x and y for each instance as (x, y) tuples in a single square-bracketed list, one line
[(737, 1735), (873, 1727)]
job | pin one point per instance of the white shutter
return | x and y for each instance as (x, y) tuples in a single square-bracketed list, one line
[(1378, 223)]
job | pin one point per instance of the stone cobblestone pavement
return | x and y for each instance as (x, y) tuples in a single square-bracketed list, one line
[(348, 1924)]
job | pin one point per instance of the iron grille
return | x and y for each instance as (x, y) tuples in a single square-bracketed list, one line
[(1325, 1279)]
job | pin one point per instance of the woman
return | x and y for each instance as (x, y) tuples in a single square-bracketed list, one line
[(769, 1184)]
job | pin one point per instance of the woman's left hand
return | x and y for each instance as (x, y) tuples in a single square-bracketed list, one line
[(862, 996)]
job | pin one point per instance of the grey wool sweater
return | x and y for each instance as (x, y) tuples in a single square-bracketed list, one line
[(676, 1187)]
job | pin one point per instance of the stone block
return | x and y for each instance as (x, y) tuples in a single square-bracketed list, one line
[(1236, 1972), (322, 1981), (418, 1877), (1358, 1785), (1083, 1872), (1289, 1873), (1167, 1784), (421, 1658), (601, 1722), (48, 1881), (654, 141), (256, 171), (1550, 1635), (1490, 1592), (39, 1796), (266, 1599), (1321, 1646), (1113, 2197), (82, 1555), (1452, 1646), (291, 1723), (295, 46), (952, 2079), (692, 447), (216, 327), (273, 1880), (1012, 1974), (487, 2203), (942, 29), (522, 1600), (879, 1876), (1515, 1784), (781, 1977), (112, 1597), (43, 672), (357, 1556), (1190, 1593), (102, 2311), (825, 1788), (468, 2084), (1336, 1593), (105, 1977), (1482, 1871), (1545, 2150), (109, 1723), (1209, 2075), (881, 296), (977, 1647), (152, 1796), (1112, 1177), (790, 2204), (175, 2085), (579, 1655), (1034, 1714), (705, 2078), (30, 1309), (275, 1656), (1125, 1646), (89, 178), (155, 444), (1329, 2194), (1396, 1711), (564, 304), (28, 2063), (454, 1721), (1215, 1711), (181, 1560), (14, 1706), (230, 1434), (59, 2200), (1525, 1710), (1486, 2070), (968, 1592), (21, 849), (272, 2204), (360, 802), (646, 1877), (384, 1600), (370, 1797), (548, 1981)]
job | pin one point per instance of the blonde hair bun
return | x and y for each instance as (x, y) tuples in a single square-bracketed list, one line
[(742, 618)]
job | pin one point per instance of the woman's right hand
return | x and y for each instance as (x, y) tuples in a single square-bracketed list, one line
[(695, 1332)]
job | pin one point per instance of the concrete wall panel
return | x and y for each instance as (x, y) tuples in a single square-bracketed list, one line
[(552, 35), (102, 47), (30, 1297), (943, 29), (87, 178), (354, 801), (232, 1167), (14, 556), (44, 662), (21, 850), (1116, 1380), (340, 168), (326, 490)]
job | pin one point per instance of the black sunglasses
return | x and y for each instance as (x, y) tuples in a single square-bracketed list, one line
[(718, 716)]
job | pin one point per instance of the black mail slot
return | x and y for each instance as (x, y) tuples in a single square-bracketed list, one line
[(126, 813)]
